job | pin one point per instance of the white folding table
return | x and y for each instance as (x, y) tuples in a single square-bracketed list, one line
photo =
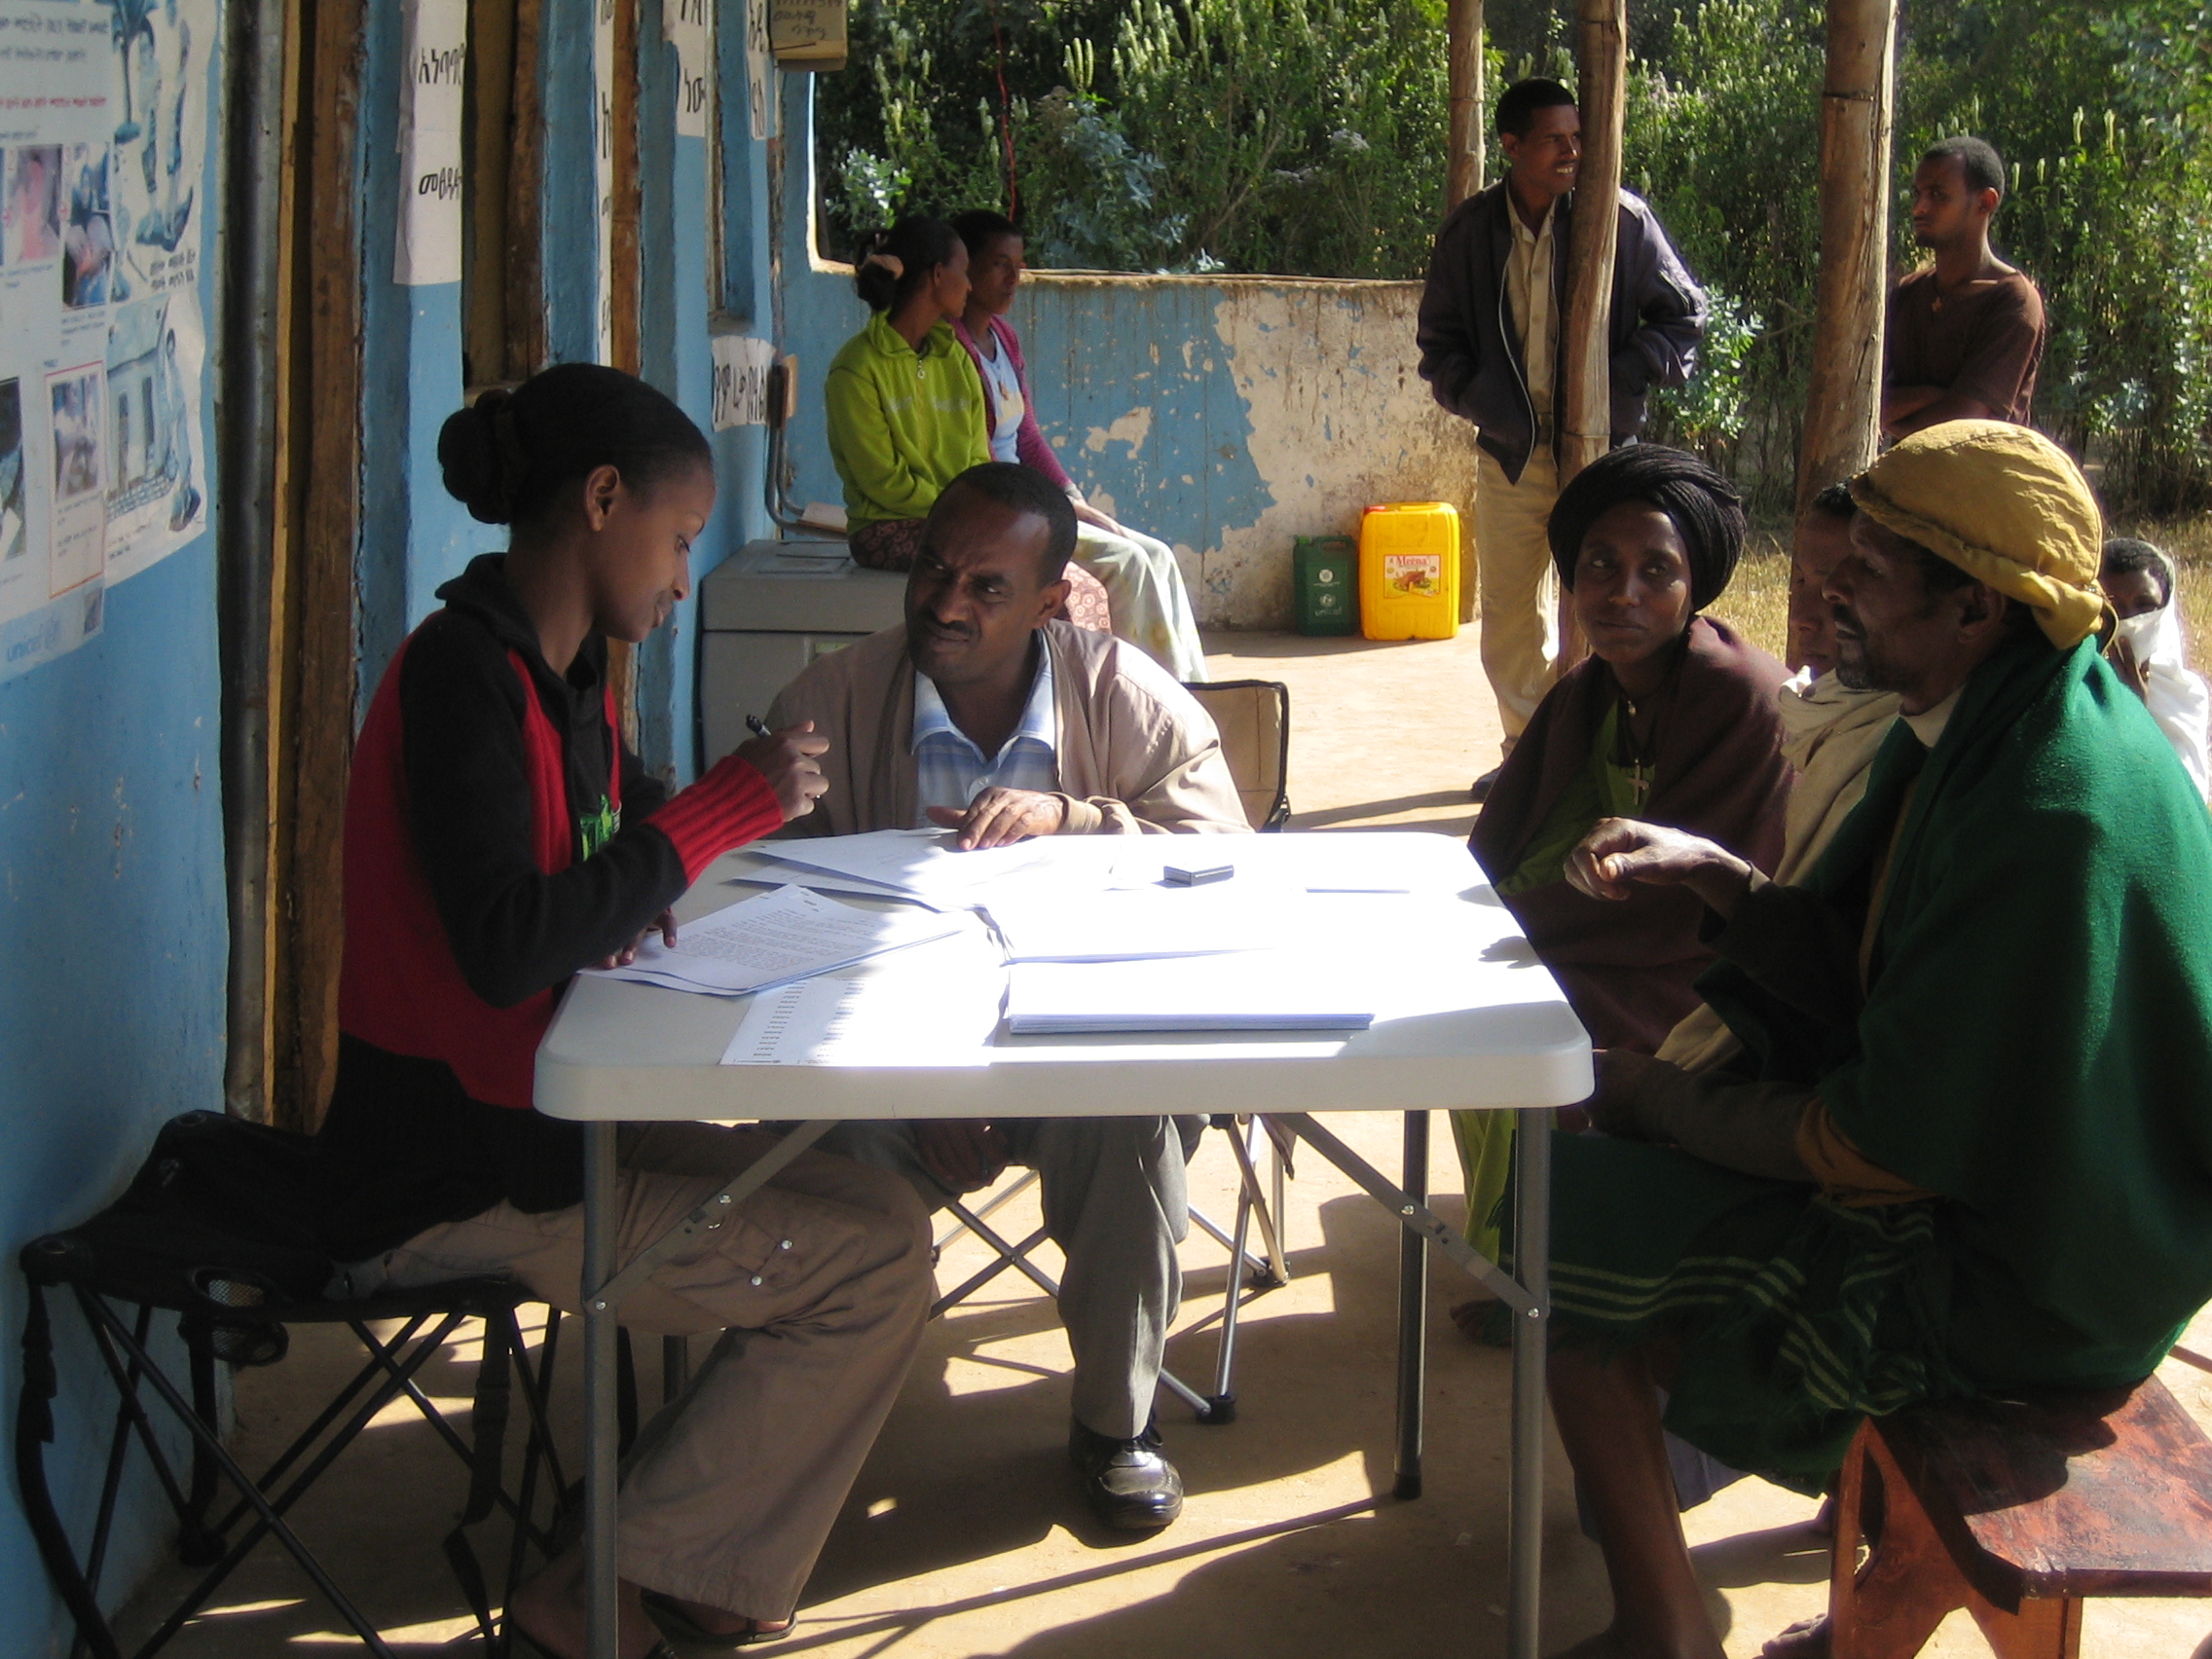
[(1466, 1018)]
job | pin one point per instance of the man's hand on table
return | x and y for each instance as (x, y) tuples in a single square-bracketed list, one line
[(999, 818), (791, 761), (663, 924), (961, 1152), (1623, 851)]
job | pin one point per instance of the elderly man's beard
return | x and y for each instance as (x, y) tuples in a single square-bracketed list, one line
[(1860, 666)]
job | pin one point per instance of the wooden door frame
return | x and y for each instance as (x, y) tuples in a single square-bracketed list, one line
[(319, 497)]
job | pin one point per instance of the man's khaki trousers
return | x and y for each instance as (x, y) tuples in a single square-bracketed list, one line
[(1116, 1204), (1512, 569), (819, 1286)]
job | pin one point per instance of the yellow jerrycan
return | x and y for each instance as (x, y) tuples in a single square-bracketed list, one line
[(1409, 571)]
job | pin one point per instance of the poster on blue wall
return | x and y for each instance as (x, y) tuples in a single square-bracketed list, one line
[(103, 132)]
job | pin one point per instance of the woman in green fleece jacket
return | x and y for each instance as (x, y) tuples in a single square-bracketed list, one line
[(906, 408)]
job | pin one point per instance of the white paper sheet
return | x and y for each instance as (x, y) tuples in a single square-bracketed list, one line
[(822, 881), (742, 363), (1040, 924), (689, 26), (427, 249), (776, 938), (927, 863), (760, 85), (935, 1006), (1356, 861), (1271, 990)]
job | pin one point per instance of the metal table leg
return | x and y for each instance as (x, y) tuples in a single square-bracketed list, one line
[(1531, 1248), (1528, 1295), (600, 1430), (603, 1289), (1413, 1309)]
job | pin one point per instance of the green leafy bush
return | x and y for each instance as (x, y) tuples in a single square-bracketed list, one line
[(1306, 137)]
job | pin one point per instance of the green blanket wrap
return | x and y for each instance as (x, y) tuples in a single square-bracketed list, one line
[(2035, 1048)]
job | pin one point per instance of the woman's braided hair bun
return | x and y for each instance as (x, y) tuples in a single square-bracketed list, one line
[(508, 456), (483, 459)]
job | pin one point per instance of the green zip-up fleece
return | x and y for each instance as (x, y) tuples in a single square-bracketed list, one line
[(903, 424)]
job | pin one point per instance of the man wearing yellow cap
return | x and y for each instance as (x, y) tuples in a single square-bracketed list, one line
[(1968, 1148)]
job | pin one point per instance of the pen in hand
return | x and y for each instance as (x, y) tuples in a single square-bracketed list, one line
[(791, 762)]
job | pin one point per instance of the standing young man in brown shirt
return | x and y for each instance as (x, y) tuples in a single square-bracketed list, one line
[(1965, 334)]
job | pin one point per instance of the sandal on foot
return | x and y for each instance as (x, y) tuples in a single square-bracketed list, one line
[(669, 1614)]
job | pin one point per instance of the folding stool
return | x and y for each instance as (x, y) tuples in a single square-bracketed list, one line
[(235, 1298)]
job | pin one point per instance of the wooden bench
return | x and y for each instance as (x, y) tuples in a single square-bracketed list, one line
[(2017, 1511)]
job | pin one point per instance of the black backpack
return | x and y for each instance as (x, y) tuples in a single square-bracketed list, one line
[(218, 1225)]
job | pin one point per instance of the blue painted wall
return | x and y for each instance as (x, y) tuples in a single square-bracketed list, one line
[(113, 952), (113, 946), (112, 960), (1225, 416)]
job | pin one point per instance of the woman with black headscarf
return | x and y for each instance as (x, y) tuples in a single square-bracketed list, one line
[(1671, 717)]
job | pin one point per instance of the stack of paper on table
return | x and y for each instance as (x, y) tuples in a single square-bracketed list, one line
[(776, 938)]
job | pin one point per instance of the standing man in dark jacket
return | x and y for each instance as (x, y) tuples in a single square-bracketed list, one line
[(1493, 349)]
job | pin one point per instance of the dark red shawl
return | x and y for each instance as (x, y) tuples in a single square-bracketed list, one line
[(1628, 965)]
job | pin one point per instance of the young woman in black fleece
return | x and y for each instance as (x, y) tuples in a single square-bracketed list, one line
[(498, 837)]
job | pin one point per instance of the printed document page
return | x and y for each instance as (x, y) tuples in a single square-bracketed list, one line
[(934, 1006), (775, 939)]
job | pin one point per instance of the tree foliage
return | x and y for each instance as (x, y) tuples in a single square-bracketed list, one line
[(1295, 137), (1306, 137)]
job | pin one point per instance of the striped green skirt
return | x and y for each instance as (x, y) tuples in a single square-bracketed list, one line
[(1796, 1317)]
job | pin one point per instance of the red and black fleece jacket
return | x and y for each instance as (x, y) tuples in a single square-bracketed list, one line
[(498, 837)]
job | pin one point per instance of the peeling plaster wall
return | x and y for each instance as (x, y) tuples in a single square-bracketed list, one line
[(1225, 416), (1230, 418)]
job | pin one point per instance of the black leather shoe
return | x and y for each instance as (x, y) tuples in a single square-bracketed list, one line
[(1128, 1482), (1480, 788)]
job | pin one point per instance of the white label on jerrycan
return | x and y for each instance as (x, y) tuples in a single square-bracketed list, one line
[(1418, 574)]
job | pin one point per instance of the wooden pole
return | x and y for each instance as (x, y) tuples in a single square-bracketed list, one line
[(1464, 27), (1843, 402), (1586, 389), (1463, 178)]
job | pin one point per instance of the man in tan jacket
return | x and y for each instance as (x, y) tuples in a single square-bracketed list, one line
[(982, 715)]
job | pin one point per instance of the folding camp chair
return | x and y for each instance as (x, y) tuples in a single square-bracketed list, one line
[(1250, 1273), (169, 1247), (1253, 718)]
